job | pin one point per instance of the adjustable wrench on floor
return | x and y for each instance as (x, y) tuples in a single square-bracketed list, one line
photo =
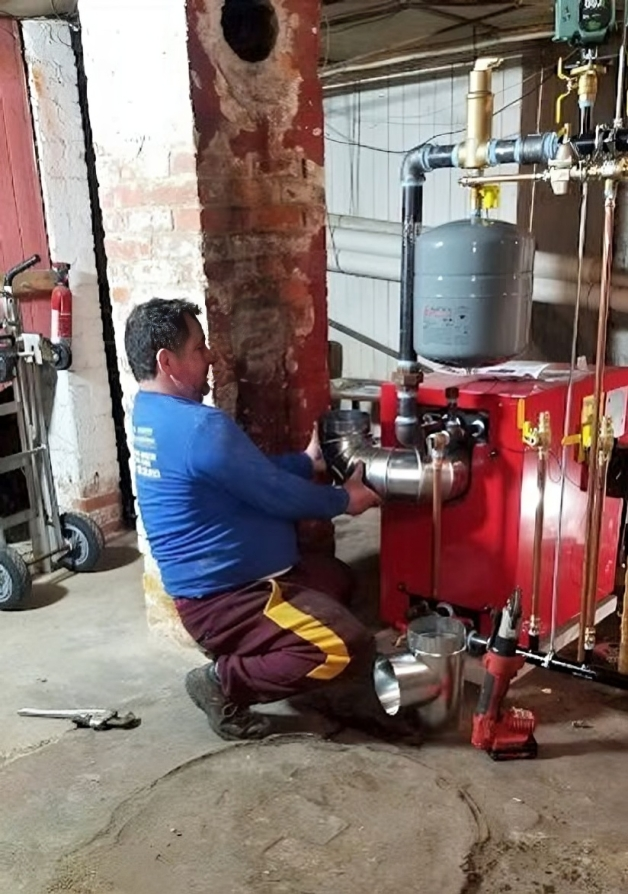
[(93, 718)]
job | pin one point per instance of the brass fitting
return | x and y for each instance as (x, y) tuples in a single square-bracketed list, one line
[(539, 436), (476, 201), (588, 83), (473, 151), (560, 169), (606, 439), (406, 381), (608, 170), (583, 79), (590, 635), (545, 431), (534, 626)]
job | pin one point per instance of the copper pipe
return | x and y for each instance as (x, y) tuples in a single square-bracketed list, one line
[(586, 634), (438, 443), (604, 452), (622, 661), (482, 180), (544, 438), (437, 505), (567, 420)]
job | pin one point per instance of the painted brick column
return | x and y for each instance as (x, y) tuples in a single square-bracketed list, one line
[(261, 188)]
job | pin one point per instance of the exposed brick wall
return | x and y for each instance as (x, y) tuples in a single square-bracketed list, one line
[(144, 142), (261, 186)]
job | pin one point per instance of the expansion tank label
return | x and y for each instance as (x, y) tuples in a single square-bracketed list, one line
[(445, 326)]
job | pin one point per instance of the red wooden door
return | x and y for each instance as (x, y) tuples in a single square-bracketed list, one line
[(22, 225)]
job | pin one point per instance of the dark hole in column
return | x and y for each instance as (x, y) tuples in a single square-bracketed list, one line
[(250, 28)]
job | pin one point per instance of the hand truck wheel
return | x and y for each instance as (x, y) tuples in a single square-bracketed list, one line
[(15, 579), (61, 356), (85, 540)]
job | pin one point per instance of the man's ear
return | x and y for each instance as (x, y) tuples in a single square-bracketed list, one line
[(164, 361)]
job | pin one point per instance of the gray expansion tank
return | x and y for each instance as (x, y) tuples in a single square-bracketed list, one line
[(473, 292)]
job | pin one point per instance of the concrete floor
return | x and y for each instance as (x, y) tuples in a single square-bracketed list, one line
[(167, 807)]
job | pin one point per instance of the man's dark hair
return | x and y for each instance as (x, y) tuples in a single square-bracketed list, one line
[(152, 326)]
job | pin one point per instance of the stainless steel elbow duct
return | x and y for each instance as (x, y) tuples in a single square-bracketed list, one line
[(395, 473)]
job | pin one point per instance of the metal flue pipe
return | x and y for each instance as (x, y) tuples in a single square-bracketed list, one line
[(394, 473)]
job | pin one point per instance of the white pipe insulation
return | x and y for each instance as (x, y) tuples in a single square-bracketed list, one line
[(362, 247)]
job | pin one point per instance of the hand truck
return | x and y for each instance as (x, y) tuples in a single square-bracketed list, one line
[(71, 540)]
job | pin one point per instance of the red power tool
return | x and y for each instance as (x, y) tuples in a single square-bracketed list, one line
[(504, 734)]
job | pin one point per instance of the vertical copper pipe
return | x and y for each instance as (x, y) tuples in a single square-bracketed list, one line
[(437, 506), (604, 451), (586, 635), (544, 436), (622, 661), (438, 444), (584, 203)]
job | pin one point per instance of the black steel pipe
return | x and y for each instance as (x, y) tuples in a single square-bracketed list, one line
[(536, 148), (531, 149), (479, 644), (608, 139), (425, 158), (412, 218)]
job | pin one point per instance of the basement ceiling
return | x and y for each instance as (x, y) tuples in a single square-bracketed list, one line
[(366, 33)]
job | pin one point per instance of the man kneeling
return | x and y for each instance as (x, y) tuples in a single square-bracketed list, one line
[(220, 519)]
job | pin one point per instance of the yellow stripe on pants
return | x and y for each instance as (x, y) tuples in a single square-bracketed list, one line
[(312, 631)]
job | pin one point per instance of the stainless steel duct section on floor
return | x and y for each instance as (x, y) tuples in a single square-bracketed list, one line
[(428, 676), (395, 473)]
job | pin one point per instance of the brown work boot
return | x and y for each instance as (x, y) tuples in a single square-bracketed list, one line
[(229, 721)]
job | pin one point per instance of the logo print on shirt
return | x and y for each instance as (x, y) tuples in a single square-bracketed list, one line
[(145, 452)]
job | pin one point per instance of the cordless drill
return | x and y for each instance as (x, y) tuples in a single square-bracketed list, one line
[(504, 734)]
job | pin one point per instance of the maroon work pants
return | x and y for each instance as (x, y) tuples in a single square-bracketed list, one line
[(272, 640)]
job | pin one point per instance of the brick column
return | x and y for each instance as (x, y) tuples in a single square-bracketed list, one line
[(261, 188)]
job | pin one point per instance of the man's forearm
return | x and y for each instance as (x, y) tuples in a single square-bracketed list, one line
[(296, 463)]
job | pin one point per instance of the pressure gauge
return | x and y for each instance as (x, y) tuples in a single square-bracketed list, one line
[(596, 16), (584, 22)]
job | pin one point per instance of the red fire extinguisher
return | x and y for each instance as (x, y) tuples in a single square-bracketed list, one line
[(61, 317)]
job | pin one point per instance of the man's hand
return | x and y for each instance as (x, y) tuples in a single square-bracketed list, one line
[(315, 453), (361, 497)]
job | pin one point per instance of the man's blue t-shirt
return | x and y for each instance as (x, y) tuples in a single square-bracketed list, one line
[(218, 514)]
